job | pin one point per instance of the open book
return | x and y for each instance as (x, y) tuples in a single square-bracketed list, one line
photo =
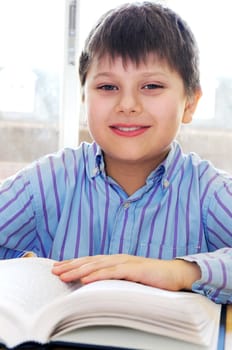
[(36, 306)]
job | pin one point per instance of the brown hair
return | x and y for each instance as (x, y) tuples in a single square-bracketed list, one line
[(134, 30)]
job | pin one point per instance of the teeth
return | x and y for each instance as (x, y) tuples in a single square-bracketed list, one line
[(134, 128)]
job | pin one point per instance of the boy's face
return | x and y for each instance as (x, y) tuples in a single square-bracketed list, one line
[(134, 112)]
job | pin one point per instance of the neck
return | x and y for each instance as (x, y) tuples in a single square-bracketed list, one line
[(130, 177)]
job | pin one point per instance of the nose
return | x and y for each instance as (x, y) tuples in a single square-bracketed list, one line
[(129, 104)]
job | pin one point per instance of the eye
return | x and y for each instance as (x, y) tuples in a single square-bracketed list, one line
[(152, 86), (108, 87)]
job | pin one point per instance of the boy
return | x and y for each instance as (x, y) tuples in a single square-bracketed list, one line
[(131, 205)]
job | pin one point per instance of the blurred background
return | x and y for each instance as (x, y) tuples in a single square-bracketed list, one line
[(40, 110)]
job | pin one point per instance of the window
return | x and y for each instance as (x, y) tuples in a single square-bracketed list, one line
[(210, 133), (211, 24), (39, 98), (30, 73), (37, 80)]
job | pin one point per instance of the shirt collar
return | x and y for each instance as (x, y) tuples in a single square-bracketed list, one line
[(164, 172), (96, 161), (172, 164)]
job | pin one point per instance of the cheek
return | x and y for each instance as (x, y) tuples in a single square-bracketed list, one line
[(94, 116), (169, 116), (172, 110), (98, 111), (90, 107), (90, 118), (93, 104)]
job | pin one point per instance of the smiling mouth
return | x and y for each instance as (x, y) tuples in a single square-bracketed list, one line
[(126, 128), (133, 130)]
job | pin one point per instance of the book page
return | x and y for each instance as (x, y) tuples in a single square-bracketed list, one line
[(125, 338), (45, 306), (27, 287), (181, 315), (30, 284)]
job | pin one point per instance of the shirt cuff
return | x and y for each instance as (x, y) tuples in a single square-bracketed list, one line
[(216, 280)]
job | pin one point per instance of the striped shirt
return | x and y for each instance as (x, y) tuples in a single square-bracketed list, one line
[(64, 206)]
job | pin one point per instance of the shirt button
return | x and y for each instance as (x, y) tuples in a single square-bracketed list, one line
[(126, 205), (165, 183), (95, 171)]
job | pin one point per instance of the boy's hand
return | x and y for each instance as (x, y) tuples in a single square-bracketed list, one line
[(166, 274)]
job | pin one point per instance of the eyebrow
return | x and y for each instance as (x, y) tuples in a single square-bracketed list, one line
[(145, 74), (103, 74)]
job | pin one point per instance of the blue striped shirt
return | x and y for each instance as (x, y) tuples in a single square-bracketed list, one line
[(65, 206)]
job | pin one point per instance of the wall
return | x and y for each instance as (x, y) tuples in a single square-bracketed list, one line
[(214, 145), (21, 143)]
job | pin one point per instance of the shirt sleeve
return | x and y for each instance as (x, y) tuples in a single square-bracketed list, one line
[(17, 217), (216, 264), (216, 275)]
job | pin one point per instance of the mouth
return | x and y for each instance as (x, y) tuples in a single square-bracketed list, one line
[(129, 130)]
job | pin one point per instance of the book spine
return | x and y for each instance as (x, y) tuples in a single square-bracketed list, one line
[(228, 335), (222, 329)]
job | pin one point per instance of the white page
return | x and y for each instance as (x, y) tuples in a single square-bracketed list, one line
[(39, 295), (21, 278)]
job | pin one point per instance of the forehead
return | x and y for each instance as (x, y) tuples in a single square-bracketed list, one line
[(107, 62)]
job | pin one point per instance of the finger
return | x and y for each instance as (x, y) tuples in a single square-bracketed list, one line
[(102, 267), (66, 265), (74, 271), (120, 271), (71, 261), (103, 274), (88, 263), (77, 269)]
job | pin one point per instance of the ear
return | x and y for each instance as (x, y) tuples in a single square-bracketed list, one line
[(191, 105)]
